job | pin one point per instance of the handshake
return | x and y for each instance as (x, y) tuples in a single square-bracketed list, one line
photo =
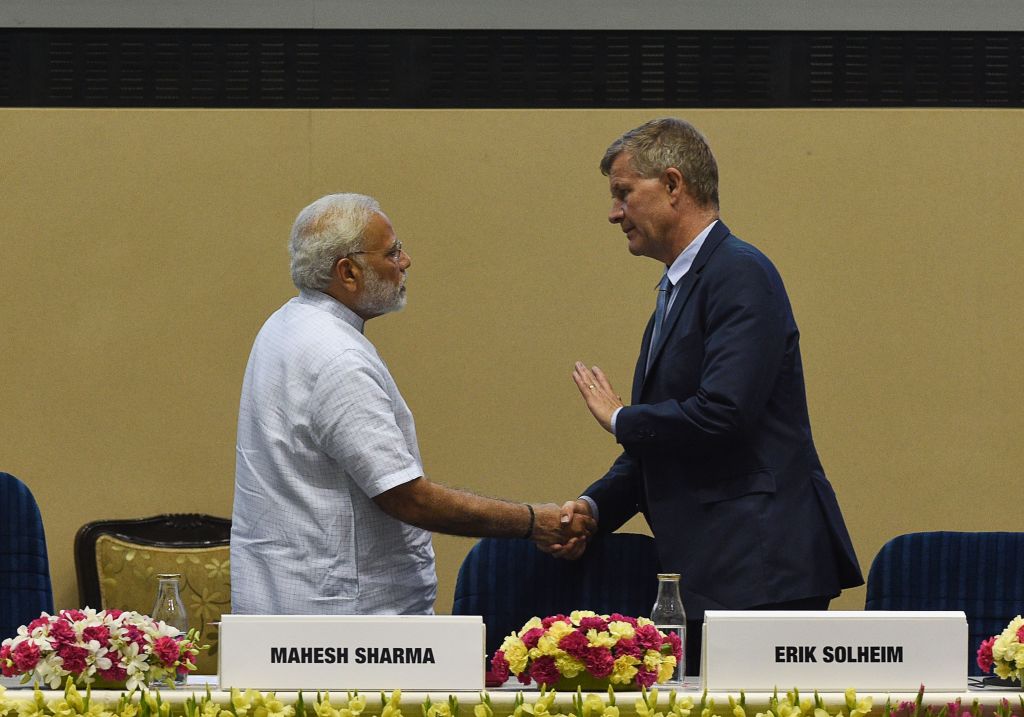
[(563, 531)]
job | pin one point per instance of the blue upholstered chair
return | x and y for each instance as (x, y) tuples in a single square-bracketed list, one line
[(979, 573), (508, 581), (25, 589)]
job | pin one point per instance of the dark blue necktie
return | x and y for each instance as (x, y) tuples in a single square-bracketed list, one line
[(660, 309)]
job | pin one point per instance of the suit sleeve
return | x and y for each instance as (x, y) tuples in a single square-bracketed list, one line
[(618, 494), (746, 319)]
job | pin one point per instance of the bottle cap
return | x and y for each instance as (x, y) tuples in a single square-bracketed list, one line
[(668, 576)]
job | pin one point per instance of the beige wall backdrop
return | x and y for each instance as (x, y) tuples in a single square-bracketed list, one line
[(142, 250)]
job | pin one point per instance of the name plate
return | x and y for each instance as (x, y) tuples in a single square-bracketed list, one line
[(352, 652), (833, 650)]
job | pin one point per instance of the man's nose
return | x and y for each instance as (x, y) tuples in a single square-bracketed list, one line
[(404, 260), (615, 215)]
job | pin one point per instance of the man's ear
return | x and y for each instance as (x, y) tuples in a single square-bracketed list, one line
[(674, 183), (346, 273)]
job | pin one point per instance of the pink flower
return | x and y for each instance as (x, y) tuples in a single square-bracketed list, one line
[(646, 678), (532, 636), (166, 649), (113, 613), (524, 677), (116, 673), (61, 633), (676, 645), (616, 617), (549, 621), (25, 656), (545, 671), (72, 615), (593, 623), (99, 633), (649, 637), (985, 654), (38, 622), (73, 657), (1020, 634), (499, 666), (626, 646), (6, 663), (134, 634), (186, 660), (599, 662), (575, 643)]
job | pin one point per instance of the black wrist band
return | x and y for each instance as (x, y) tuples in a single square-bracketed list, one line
[(533, 517)]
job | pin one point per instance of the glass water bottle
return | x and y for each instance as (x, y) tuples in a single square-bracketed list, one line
[(169, 608), (669, 616)]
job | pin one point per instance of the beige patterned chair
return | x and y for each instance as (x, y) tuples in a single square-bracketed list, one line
[(117, 562)]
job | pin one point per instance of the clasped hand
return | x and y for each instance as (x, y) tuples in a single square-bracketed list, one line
[(562, 533)]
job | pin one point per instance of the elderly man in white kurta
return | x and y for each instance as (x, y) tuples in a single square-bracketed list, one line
[(332, 511)]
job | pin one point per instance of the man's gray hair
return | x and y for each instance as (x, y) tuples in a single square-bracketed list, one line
[(659, 144), (325, 231)]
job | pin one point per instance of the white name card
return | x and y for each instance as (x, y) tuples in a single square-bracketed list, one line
[(834, 650), (352, 652)]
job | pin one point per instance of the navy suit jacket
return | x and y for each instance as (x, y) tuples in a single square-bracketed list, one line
[(718, 454)]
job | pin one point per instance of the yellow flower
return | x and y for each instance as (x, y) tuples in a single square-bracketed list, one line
[(357, 703), (577, 615), (667, 667), (530, 624), (621, 630), (439, 709), (641, 621), (610, 711), (858, 708), (515, 653), (623, 670), (559, 629), (568, 665), (652, 660), (31, 709), (392, 708), (481, 710), (210, 709), (592, 704), (600, 639), (541, 708), (243, 701), (546, 645), (323, 708), (683, 705)]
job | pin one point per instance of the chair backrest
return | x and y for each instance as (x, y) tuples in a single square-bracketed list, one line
[(25, 589), (117, 562), (508, 581), (979, 573)]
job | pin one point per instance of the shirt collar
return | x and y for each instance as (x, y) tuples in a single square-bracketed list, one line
[(326, 302), (684, 261)]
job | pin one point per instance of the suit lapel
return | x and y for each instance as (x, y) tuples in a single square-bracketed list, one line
[(682, 293)]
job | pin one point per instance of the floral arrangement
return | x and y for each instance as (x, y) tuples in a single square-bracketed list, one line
[(109, 645), (1005, 652), (252, 703), (615, 647)]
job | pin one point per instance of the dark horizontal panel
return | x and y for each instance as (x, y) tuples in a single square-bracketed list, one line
[(513, 69)]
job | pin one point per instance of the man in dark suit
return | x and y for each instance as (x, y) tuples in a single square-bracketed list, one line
[(717, 447)]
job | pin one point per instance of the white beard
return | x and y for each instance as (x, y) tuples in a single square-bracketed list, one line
[(379, 296)]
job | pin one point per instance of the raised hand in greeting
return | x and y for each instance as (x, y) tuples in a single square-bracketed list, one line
[(597, 392)]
